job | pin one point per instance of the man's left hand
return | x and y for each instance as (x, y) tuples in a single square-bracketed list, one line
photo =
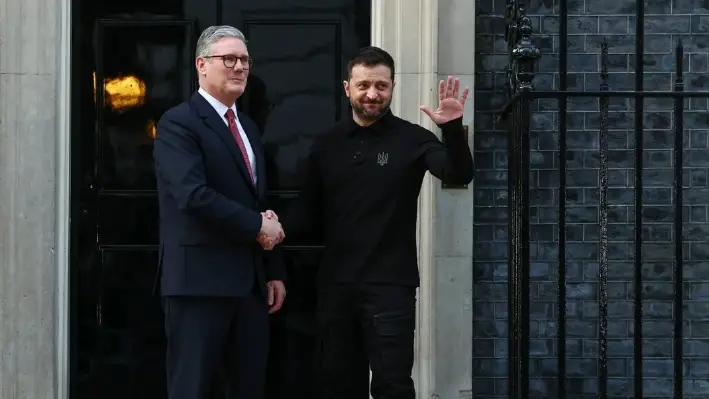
[(276, 295), (449, 106)]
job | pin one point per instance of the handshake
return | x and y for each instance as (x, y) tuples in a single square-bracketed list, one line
[(271, 233)]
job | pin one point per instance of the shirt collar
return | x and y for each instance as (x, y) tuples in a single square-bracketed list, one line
[(386, 122), (216, 104)]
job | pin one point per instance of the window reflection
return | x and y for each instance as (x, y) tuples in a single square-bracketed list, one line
[(122, 92), (144, 69), (293, 108)]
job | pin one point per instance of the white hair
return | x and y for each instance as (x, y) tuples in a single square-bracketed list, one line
[(212, 35)]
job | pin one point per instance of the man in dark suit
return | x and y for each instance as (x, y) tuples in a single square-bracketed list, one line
[(218, 283)]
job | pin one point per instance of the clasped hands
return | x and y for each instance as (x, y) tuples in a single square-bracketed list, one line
[(271, 233)]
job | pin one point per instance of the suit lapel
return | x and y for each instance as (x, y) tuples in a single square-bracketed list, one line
[(216, 123), (255, 141)]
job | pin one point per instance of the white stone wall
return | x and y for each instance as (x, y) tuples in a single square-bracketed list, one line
[(454, 219), (430, 40), (30, 39)]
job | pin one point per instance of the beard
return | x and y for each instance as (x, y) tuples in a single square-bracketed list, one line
[(361, 110)]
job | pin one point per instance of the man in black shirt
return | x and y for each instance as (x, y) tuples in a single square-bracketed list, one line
[(363, 183)]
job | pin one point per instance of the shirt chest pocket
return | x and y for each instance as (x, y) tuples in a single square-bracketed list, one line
[(363, 165), (386, 167)]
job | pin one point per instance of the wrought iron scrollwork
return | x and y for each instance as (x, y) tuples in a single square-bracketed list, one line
[(523, 53)]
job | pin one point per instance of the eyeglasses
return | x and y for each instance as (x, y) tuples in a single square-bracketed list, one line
[(230, 60)]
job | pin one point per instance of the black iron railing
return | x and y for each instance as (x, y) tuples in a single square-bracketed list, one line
[(517, 113)]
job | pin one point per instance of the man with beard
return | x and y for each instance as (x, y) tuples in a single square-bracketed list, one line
[(361, 194)]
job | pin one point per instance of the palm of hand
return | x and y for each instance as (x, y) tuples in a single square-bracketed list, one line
[(448, 110), (449, 106)]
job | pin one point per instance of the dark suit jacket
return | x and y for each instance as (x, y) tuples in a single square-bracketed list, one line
[(209, 208)]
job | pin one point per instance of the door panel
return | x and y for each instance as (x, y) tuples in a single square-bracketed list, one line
[(130, 327), (128, 219), (292, 362), (138, 68), (300, 103), (146, 67), (133, 60)]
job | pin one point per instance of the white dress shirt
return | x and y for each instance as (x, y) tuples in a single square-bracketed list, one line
[(221, 110)]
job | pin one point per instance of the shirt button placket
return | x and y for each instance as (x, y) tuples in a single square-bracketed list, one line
[(358, 152)]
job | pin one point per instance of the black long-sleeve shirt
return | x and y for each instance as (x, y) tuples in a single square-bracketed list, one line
[(361, 194)]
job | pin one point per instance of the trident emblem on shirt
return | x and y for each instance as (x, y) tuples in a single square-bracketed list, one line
[(382, 158)]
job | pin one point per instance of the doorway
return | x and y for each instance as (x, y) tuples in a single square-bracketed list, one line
[(131, 61)]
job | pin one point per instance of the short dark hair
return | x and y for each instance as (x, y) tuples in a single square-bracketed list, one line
[(371, 56)]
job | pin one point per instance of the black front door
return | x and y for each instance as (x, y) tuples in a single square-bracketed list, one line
[(132, 60)]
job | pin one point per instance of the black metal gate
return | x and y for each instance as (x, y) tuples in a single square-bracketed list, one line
[(518, 114)]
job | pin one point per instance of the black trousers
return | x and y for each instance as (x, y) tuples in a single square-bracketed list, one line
[(216, 347), (363, 326)]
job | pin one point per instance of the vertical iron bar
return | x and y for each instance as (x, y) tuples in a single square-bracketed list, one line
[(638, 311), (563, 162), (678, 271), (524, 55), (603, 244), (513, 257), (519, 331), (525, 118), (513, 361)]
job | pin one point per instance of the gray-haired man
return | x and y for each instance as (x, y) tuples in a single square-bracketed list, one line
[(218, 283)]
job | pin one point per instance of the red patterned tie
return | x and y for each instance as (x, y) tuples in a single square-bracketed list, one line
[(235, 132)]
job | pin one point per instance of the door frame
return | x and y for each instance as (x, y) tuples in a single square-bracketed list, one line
[(62, 287), (413, 41), (410, 33)]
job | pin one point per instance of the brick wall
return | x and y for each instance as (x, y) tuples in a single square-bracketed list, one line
[(589, 22)]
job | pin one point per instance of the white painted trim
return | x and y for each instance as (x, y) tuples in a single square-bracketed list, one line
[(393, 31), (426, 337), (63, 205)]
